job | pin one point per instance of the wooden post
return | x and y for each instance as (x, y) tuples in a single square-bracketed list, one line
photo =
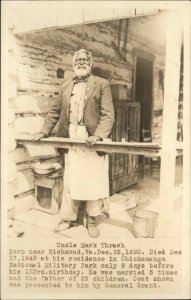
[(170, 114)]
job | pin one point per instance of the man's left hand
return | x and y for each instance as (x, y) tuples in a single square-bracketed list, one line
[(91, 140)]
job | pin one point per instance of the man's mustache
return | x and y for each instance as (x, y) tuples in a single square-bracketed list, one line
[(82, 66)]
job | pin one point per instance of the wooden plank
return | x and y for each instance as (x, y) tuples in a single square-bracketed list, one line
[(109, 147), (57, 14), (151, 149), (65, 142)]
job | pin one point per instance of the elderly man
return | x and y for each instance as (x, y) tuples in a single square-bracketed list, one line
[(85, 111)]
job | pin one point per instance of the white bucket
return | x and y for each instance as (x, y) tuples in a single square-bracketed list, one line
[(144, 223)]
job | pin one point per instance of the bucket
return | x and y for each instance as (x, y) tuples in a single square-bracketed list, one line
[(144, 223)]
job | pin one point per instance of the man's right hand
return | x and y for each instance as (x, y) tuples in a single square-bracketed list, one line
[(39, 136)]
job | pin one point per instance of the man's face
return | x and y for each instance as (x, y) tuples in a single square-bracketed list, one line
[(82, 64)]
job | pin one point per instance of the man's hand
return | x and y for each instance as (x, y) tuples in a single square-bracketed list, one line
[(91, 140), (39, 136)]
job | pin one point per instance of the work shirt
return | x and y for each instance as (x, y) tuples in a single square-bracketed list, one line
[(77, 103)]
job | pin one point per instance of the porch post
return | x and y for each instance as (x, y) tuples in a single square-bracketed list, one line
[(170, 114)]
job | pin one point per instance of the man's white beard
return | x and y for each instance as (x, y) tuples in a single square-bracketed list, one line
[(81, 72)]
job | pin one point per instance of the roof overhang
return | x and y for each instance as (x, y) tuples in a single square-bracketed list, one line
[(43, 15)]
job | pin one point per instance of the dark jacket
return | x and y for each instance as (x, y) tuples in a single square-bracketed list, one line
[(98, 109)]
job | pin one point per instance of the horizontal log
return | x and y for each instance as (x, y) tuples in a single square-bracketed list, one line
[(22, 155), (24, 182), (25, 103), (24, 194), (150, 149), (29, 124), (71, 38), (106, 146), (25, 165), (43, 103)]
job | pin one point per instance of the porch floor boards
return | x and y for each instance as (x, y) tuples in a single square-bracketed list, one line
[(120, 225)]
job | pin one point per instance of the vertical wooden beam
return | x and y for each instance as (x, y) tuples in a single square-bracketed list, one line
[(170, 114), (119, 33), (187, 153), (125, 40)]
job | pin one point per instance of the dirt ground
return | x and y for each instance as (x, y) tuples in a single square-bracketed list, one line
[(119, 225)]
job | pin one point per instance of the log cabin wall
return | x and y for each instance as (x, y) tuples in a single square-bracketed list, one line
[(37, 57), (42, 53)]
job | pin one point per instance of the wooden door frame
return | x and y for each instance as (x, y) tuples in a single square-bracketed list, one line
[(137, 53)]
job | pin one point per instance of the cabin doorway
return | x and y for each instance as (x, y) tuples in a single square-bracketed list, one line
[(144, 91)]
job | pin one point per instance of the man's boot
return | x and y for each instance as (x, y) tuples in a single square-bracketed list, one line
[(63, 225), (92, 228)]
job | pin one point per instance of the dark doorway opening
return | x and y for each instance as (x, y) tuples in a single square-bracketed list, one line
[(143, 92)]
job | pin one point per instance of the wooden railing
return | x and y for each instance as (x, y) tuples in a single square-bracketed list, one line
[(151, 149)]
